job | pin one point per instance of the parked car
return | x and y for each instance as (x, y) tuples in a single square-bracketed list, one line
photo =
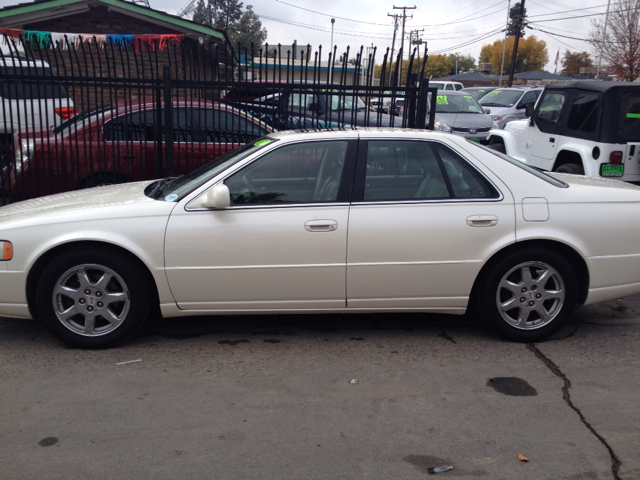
[(590, 128), (460, 113), (362, 221), (478, 92), (127, 143), (32, 102), (303, 109), (390, 102), (446, 85), (508, 104)]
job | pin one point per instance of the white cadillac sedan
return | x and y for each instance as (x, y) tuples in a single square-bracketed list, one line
[(371, 220)]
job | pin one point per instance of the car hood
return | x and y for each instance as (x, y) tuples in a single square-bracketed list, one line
[(465, 120), (88, 204), (497, 110)]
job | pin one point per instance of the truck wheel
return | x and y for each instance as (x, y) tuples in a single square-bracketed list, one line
[(572, 168), (498, 147)]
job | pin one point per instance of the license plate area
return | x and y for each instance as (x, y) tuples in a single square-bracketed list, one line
[(611, 169)]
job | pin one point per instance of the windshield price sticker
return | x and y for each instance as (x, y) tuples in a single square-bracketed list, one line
[(612, 169), (260, 143), (633, 115), (495, 92), (442, 100)]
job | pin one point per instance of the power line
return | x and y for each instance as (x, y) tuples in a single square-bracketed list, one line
[(328, 15)]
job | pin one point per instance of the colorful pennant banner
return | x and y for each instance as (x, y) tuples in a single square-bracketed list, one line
[(139, 43)]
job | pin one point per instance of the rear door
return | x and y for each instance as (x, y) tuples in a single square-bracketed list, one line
[(422, 223)]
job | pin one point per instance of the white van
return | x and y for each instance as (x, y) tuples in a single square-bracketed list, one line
[(446, 85), (34, 100)]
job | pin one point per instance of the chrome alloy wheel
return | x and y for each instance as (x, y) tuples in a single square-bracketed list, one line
[(530, 295), (91, 300)]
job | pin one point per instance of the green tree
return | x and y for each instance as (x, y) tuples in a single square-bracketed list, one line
[(246, 31), (226, 13), (572, 62), (201, 14), (514, 15), (464, 63)]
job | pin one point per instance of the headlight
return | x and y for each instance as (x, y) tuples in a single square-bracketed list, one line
[(495, 117), (442, 127), (23, 155)]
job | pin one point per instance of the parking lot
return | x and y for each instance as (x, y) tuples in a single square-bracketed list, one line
[(325, 397)]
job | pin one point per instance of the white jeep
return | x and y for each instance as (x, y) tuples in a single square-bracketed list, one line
[(585, 128)]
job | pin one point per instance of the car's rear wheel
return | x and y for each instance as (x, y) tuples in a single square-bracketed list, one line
[(93, 297), (529, 294), (572, 168)]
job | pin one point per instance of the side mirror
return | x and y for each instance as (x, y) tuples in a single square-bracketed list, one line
[(217, 197), (528, 110), (486, 110)]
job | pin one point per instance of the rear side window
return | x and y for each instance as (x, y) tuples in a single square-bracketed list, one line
[(415, 170), (584, 113), (40, 83), (629, 118)]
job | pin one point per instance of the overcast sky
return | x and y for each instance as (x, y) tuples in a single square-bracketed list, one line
[(449, 26)]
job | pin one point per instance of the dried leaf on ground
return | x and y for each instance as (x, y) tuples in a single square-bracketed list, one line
[(522, 458)]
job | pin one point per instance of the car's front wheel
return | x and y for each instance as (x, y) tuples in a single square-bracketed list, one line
[(529, 294), (93, 297)]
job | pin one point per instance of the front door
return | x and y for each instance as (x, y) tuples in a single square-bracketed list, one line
[(282, 243), (545, 134)]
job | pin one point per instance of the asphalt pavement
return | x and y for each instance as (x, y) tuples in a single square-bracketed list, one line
[(325, 397)]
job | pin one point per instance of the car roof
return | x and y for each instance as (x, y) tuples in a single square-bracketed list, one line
[(597, 86), (360, 132)]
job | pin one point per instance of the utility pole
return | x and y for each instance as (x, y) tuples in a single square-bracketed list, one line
[(604, 33), (504, 45), (404, 19), (418, 41), (393, 42), (515, 45)]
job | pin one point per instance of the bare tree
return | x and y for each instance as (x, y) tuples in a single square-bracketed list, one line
[(621, 46)]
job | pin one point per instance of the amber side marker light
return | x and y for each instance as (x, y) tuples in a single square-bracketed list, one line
[(7, 250)]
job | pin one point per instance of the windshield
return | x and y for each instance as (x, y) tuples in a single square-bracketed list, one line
[(501, 98), (80, 120), (477, 93), (174, 189), (457, 104), (533, 171), (439, 86)]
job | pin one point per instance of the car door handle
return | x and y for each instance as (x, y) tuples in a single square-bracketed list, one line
[(552, 140), (321, 225), (482, 221)]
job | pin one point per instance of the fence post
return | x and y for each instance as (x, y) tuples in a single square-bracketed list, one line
[(158, 133), (411, 84), (168, 121), (423, 98)]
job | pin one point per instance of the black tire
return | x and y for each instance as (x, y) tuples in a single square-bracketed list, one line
[(92, 297), (523, 309), (498, 147), (100, 179), (572, 168)]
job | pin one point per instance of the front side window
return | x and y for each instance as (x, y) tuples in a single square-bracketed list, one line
[(529, 98), (299, 173), (416, 170), (550, 108)]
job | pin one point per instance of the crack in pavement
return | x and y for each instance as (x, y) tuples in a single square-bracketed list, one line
[(444, 335), (615, 461)]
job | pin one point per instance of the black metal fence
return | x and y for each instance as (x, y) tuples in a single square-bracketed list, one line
[(77, 116)]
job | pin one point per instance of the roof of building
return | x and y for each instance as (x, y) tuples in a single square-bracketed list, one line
[(16, 16), (539, 75), (469, 77)]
